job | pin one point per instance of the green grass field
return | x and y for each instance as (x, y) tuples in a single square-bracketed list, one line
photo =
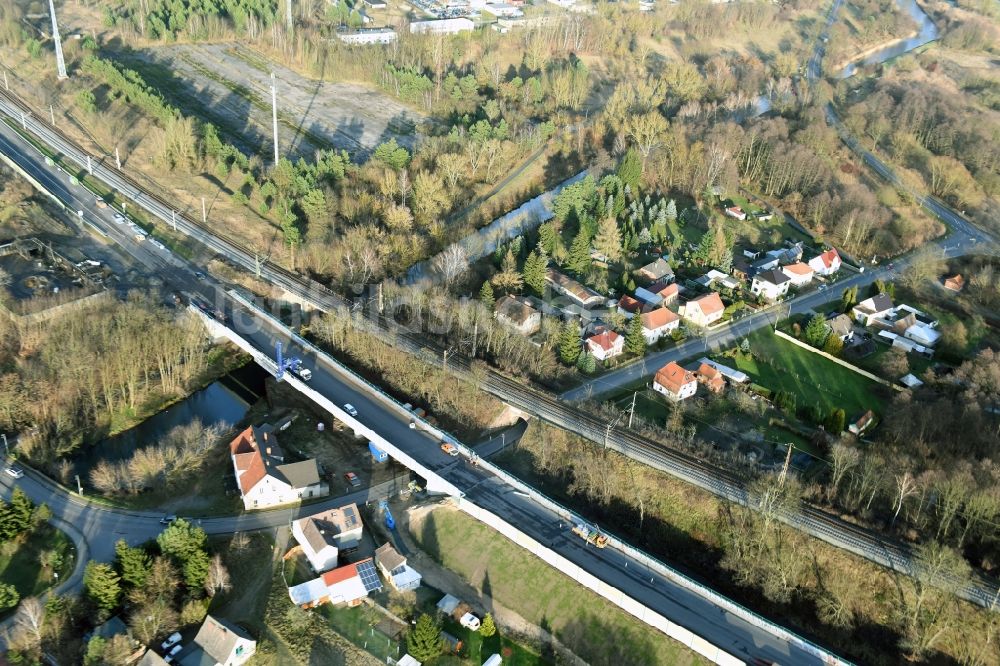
[(781, 366), (20, 566), (596, 630)]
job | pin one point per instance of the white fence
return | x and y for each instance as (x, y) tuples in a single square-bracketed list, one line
[(592, 582)]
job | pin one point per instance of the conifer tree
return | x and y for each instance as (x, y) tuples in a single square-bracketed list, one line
[(570, 343), (488, 627), (635, 343), (486, 295), (534, 271), (423, 642), (609, 239), (579, 254)]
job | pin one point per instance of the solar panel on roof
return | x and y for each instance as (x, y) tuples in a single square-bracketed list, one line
[(369, 577)]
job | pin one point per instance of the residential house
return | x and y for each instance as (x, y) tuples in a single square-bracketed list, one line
[(715, 276), (742, 270), (447, 26), (763, 215), (870, 309), (799, 273), (711, 378), (765, 263), (150, 658), (787, 255), (732, 374), (629, 306), (572, 289), (657, 270), (518, 313), (114, 626), (395, 569), (910, 381), (218, 643), (826, 263), (658, 323), (605, 345), (704, 310), (923, 333), (667, 292), (263, 476), (841, 326), (864, 422), (772, 284), (736, 213), (955, 282), (323, 535), (348, 584), (675, 382)]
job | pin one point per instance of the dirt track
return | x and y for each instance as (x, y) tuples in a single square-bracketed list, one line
[(232, 84)]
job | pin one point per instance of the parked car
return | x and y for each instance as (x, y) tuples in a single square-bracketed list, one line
[(169, 657), (166, 520), (449, 448), (172, 640), (349, 408), (14, 471), (353, 479)]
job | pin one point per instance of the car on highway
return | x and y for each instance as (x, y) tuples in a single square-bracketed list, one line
[(349, 408), (157, 244), (199, 275), (101, 203), (353, 479), (172, 640), (166, 520), (119, 218), (449, 448), (14, 471)]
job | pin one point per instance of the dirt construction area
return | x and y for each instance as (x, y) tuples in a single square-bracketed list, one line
[(231, 85)]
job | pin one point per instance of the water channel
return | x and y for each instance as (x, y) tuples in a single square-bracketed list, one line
[(928, 32)]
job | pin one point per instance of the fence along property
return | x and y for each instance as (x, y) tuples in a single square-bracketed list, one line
[(616, 596)]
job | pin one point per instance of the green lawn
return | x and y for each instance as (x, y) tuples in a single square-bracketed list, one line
[(781, 366), (476, 649), (357, 626), (595, 629), (20, 566)]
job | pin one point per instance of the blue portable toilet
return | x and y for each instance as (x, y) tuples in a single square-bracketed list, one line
[(378, 454)]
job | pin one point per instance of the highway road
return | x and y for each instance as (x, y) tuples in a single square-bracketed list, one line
[(100, 526)]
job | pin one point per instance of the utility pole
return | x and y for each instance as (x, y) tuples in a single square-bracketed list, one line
[(79, 487), (204, 213), (631, 411), (118, 159), (90, 166), (784, 468), (5, 446), (288, 16), (24, 121), (52, 115), (173, 219), (274, 114), (60, 62), (5, 86)]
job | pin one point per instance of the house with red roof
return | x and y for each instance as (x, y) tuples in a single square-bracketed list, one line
[(736, 213), (606, 344), (704, 310), (348, 584), (629, 306), (264, 478), (827, 263), (711, 378), (675, 382), (799, 273), (658, 323)]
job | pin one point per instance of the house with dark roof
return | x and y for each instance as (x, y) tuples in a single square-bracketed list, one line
[(675, 382), (395, 569), (218, 643), (518, 314), (263, 476), (772, 284), (841, 326), (657, 270), (870, 309), (322, 536)]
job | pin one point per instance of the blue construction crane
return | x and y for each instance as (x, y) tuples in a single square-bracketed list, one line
[(292, 364)]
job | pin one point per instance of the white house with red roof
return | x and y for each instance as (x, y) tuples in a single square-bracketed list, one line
[(799, 273), (704, 310), (606, 344), (348, 584), (827, 263), (736, 213), (675, 382), (263, 476), (658, 323)]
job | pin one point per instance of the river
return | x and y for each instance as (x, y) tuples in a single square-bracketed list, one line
[(928, 32), (224, 402)]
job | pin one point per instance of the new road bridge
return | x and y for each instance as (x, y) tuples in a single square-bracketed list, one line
[(629, 577)]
